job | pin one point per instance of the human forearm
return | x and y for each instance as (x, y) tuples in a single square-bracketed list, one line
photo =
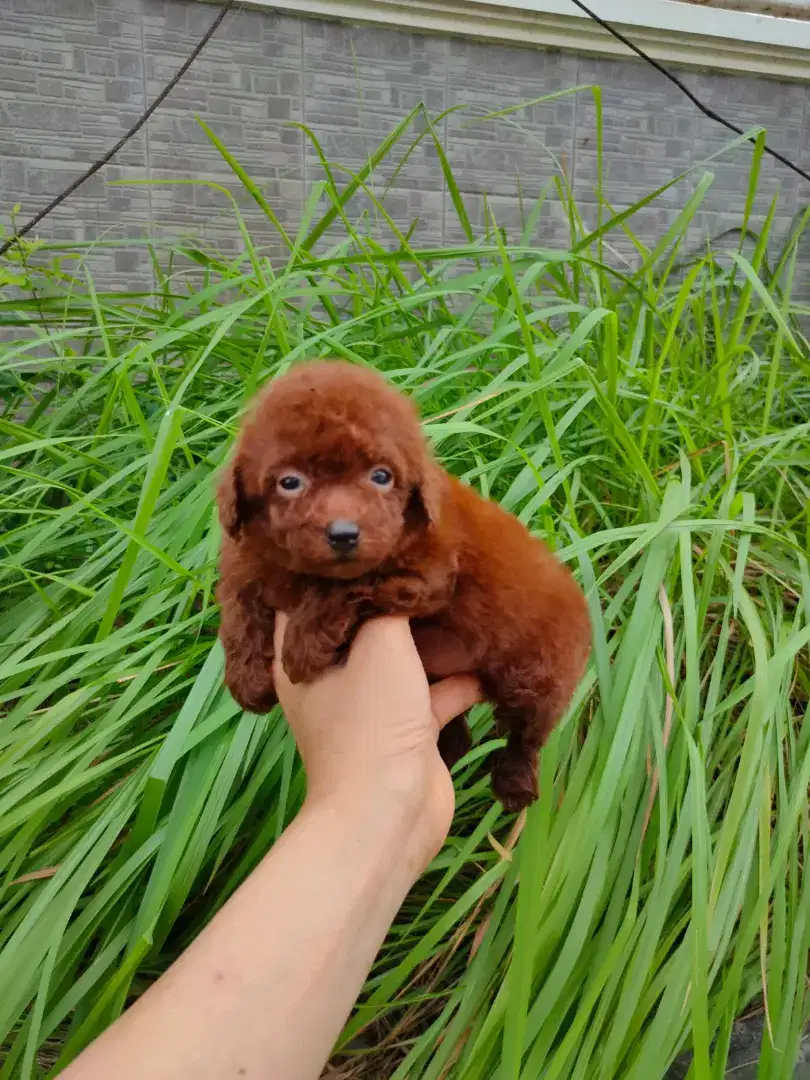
[(265, 989)]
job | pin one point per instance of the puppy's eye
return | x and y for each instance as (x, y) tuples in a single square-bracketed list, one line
[(381, 477), (290, 484)]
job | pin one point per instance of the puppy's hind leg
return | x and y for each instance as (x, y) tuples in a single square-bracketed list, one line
[(455, 740), (528, 704), (514, 774)]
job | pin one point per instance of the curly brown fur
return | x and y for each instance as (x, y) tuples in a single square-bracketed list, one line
[(481, 593)]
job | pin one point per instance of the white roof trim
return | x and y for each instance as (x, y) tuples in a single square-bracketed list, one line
[(681, 33), (785, 9)]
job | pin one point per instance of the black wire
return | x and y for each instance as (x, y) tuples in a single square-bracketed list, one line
[(712, 115), (136, 127)]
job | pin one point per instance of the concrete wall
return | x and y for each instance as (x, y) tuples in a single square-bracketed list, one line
[(75, 73)]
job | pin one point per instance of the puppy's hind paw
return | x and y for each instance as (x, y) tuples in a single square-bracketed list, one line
[(514, 782), (455, 741)]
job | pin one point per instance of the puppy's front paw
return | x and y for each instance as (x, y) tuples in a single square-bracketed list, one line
[(399, 595), (252, 687), (305, 657)]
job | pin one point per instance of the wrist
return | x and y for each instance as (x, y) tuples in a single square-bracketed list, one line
[(397, 827)]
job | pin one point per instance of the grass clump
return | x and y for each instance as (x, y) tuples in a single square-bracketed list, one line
[(650, 421)]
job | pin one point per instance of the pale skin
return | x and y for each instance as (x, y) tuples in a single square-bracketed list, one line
[(266, 988)]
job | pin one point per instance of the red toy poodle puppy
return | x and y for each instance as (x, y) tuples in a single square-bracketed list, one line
[(333, 511)]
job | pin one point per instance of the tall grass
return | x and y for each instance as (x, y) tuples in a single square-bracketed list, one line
[(651, 422)]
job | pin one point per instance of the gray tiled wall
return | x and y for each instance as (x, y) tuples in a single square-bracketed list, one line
[(74, 75)]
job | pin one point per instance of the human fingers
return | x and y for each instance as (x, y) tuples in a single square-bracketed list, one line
[(453, 696), (380, 641), (279, 674), (281, 626)]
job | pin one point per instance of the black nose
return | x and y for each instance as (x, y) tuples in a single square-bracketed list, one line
[(342, 535)]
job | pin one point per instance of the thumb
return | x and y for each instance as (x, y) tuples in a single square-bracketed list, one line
[(453, 696)]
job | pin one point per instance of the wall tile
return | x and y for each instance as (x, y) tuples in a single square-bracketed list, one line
[(74, 75)]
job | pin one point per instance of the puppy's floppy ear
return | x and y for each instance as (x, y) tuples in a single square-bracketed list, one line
[(235, 508), (425, 502)]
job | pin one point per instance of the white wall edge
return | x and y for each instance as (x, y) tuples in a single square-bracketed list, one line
[(711, 38), (786, 9)]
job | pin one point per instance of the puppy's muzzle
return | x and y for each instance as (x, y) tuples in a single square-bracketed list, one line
[(343, 537)]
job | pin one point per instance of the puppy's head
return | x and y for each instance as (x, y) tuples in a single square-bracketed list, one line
[(330, 472)]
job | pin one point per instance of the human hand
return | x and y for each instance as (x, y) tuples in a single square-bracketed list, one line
[(367, 731)]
